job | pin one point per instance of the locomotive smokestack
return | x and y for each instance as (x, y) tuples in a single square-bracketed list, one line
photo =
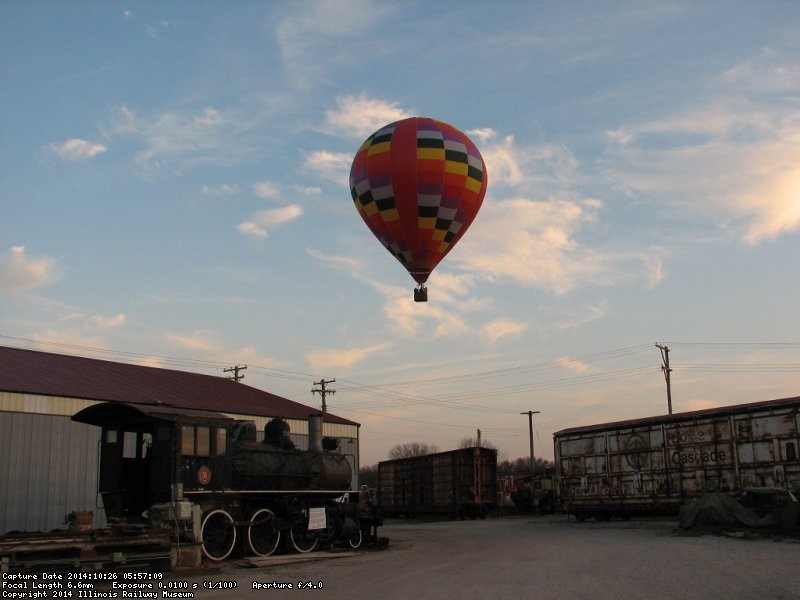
[(315, 433)]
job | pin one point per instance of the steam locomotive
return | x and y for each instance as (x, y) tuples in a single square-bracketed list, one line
[(206, 475)]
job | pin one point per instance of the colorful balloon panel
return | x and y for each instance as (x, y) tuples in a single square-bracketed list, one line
[(418, 184)]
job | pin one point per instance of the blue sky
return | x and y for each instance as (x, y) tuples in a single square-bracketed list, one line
[(173, 186)]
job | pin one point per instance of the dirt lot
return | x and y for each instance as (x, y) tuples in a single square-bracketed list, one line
[(534, 557)]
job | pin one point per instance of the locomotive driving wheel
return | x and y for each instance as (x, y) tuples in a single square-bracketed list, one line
[(301, 538), (262, 536), (218, 534), (355, 540)]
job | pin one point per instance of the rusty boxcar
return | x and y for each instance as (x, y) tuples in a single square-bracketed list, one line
[(459, 483), (658, 463)]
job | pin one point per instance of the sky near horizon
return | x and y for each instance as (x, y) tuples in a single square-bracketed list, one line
[(174, 192)]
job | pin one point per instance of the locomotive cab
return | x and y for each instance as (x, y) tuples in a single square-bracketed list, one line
[(145, 449)]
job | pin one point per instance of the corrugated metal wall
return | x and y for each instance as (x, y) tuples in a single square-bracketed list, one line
[(48, 467)]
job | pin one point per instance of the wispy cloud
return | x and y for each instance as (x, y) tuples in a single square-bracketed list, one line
[(562, 318), (266, 189), (350, 264), (263, 220), (222, 189), (534, 243), (108, 322), (310, 37), (331, 359), (724, 159), (573, 365), (545, 167), (203, 341), (20, 272), (176, 140), (503, 328), (75, 149)]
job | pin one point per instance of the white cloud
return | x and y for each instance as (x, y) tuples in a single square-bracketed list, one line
[(177, 140), (103, 322), (197, 341), (503, 328), (346, 263), (263, 220), (534, 243), (333, 166), (562, 318), (735, 164), (750, 186), (544, 168), (483, 134), (573, 365), (360, 116), (443, 316), (75, 149), (765, 72), (20, 273), (307, 190), (773, 206), (252, 230), (266, 189), (310, 38), (223, 189), (332, 359)]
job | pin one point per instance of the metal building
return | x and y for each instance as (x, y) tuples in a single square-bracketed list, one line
[(49, 464)]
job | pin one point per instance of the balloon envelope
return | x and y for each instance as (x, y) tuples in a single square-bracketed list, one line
[(418, 184)]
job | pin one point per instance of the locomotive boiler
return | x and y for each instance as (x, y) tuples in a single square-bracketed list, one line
[(208, 476)]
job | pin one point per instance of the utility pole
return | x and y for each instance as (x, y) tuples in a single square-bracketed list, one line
[(235, 370), (665, 368), (530, 414), (323, 391)]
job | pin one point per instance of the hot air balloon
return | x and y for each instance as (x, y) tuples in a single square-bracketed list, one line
[(418, 184)]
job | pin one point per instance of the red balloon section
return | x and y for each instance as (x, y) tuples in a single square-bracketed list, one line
[(418, 184)]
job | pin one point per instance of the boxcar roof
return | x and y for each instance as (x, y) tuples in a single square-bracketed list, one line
[(422, 457), (687, 416), (48, 374)]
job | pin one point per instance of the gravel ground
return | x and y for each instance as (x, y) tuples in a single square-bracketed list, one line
[(534, 557)]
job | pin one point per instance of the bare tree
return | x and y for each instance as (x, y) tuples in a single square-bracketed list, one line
[(368, 475), (523, 465), (412, 449), (469, 442)]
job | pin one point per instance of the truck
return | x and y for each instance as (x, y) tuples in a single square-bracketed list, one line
[(457, 483), (657, 464)]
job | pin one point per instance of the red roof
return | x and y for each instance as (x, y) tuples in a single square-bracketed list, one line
[(47, 374)]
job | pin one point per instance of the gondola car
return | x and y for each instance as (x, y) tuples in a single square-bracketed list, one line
[(207, 475)]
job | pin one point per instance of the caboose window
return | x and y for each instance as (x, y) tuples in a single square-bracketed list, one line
[(196, 441), (222, 437), (203, 442), (111, 436), (187, 440), (129, 444)]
